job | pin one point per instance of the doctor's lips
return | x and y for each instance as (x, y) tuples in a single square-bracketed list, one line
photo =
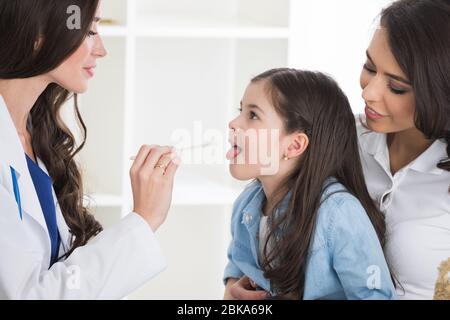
[(90, 70), (372, 114)]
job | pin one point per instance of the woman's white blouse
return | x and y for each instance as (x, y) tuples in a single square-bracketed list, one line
[(416, 203)]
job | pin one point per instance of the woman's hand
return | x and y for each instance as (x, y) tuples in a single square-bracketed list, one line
[(152, 176), (244, 289)]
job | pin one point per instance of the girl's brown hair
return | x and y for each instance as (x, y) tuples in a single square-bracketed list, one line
[(313, 103)]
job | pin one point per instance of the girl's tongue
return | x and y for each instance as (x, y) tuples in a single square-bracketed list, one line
[(233, 152)]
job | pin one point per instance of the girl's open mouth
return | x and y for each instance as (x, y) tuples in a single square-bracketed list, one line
[(233, 152)]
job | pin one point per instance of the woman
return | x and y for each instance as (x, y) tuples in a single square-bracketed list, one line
[(50, 246), (405, 139), (405, 142)]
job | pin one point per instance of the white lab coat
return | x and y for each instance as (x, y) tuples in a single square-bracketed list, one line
[(110, 266)]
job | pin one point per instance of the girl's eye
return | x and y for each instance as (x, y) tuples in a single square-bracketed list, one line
[(396, 91), (368, 69), (92, 33), (253, 116)]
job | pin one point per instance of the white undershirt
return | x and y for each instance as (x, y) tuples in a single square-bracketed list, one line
[(263, 234), (416, 203)]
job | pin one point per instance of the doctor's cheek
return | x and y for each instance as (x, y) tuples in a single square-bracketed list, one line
[(75, 73)]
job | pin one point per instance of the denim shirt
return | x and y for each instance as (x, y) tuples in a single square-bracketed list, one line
[(345, 259)]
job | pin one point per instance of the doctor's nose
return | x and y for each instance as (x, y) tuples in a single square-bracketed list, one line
[(99, 50)]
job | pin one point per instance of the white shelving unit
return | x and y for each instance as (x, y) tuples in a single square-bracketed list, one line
[(172, 65)]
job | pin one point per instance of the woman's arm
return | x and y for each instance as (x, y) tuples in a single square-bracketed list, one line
[(229, 283), (110, 266), (243, 289)]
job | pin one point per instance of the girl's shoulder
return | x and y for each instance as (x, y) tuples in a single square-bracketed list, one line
[(252, 194), (339, 207), (249, 191)]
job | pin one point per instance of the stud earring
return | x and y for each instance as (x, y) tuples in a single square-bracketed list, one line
[(286, 158)]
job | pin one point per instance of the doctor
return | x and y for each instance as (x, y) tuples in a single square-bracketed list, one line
[(50, 246)]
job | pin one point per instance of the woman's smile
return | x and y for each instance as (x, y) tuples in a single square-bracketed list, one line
[(372, 114)]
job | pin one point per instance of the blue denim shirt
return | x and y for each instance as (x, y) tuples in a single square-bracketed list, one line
[(345, 261)]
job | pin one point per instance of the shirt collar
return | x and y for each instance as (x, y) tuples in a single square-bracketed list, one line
[(427, 162), (375, 144), (12, 150), (253, 209)]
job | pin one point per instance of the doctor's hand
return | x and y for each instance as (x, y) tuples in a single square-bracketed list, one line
[(152, 176), (244, 289)]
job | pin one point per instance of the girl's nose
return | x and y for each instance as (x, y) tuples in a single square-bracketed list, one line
[(234, 124)]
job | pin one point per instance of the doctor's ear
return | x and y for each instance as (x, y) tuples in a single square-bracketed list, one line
[(299, 142)]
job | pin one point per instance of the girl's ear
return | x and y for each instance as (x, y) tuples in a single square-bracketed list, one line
[(298, 144)]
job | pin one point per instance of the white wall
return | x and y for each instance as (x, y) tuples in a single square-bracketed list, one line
[(332, 36)]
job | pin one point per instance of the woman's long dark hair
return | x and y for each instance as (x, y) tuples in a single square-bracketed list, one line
[(419, 38), (313, 103), (35, 39)]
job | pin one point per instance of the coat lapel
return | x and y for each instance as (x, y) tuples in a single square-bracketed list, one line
[(14, 156), (62, 225)]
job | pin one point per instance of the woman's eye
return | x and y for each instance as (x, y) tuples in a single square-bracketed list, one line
[(92, 33), (396, 91), (368, 69), (253, 116)]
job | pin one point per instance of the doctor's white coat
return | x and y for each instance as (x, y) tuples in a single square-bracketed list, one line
[(110, 266)]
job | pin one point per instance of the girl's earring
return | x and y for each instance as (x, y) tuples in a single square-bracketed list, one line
[(286, 158)]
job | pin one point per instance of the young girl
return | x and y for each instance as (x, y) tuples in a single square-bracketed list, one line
[(308, 230)]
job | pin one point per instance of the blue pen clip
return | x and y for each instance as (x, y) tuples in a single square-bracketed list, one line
[(16, 190)]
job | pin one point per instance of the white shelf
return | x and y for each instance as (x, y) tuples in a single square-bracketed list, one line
[(214, 32), (104, 200), (203, 192), (187, 13), (112, 31), (187, 192)]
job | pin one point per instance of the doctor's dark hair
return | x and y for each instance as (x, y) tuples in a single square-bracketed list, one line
[(35, 39), (419, 38), (312, 103)]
